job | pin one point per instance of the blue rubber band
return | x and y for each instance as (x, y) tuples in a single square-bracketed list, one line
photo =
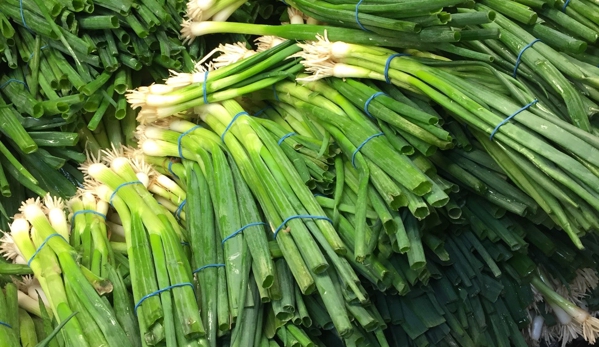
[(184, 243), (510, 117), (519, 59), (42, 246), (32, 54), (358, 19), (12, 80), (206, 267), (318, 194), (159, 291), (170, 169), (260, 111), (274, 91), (23, 15), (121, 186), (179, 148), (565, 6), (204, 88), (180, 209), (353, 156), (369, 101), (86, 211), (388, 65), (222, 137), (301, 216), (238, 231), (285, 137), (5, 324)]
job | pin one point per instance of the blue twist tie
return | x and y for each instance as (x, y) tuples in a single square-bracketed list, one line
[(510, 117), (42, 246), (170, 169), (519, 59), (160, 291), (222, 137), (207, 266), (369, 101), (240, 230), (23, 15), (565, 6), (388, 65), (301, 216), (353, 156), (358, 19), (180, 209), (179, 148), (121, 186), (260, 111), (274, 91), (284, 137), (5, 324), (237, 232), (86, 211), (12, 80), (204, 88)]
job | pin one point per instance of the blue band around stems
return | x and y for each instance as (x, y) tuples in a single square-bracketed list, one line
[(222, 137), (121, 186), (238, 231), (301, 216), (369, 101), (180, 209), (274, 92), (519, 59), (170, 169), (84, 212), (260, 111), (159, 291), (23, 15), (33, 53), (183, 243), (204, 92), (285, 137), (207, 266), (10, 80), (5, 324), (353, 156), (179, 147), (358, 19), (388, 65), (566, 3), (42, 246), (510, 117)]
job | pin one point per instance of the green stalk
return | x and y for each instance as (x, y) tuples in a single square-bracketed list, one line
[(228, 218), (202, 240), (255, 236)]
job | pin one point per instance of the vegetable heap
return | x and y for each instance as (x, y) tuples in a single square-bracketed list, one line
[(66, 66), (415, 173)]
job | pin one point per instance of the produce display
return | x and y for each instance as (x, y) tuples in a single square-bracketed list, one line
[(299, 173)]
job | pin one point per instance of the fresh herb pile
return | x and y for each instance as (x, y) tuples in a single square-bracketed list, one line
[(380, 173)]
